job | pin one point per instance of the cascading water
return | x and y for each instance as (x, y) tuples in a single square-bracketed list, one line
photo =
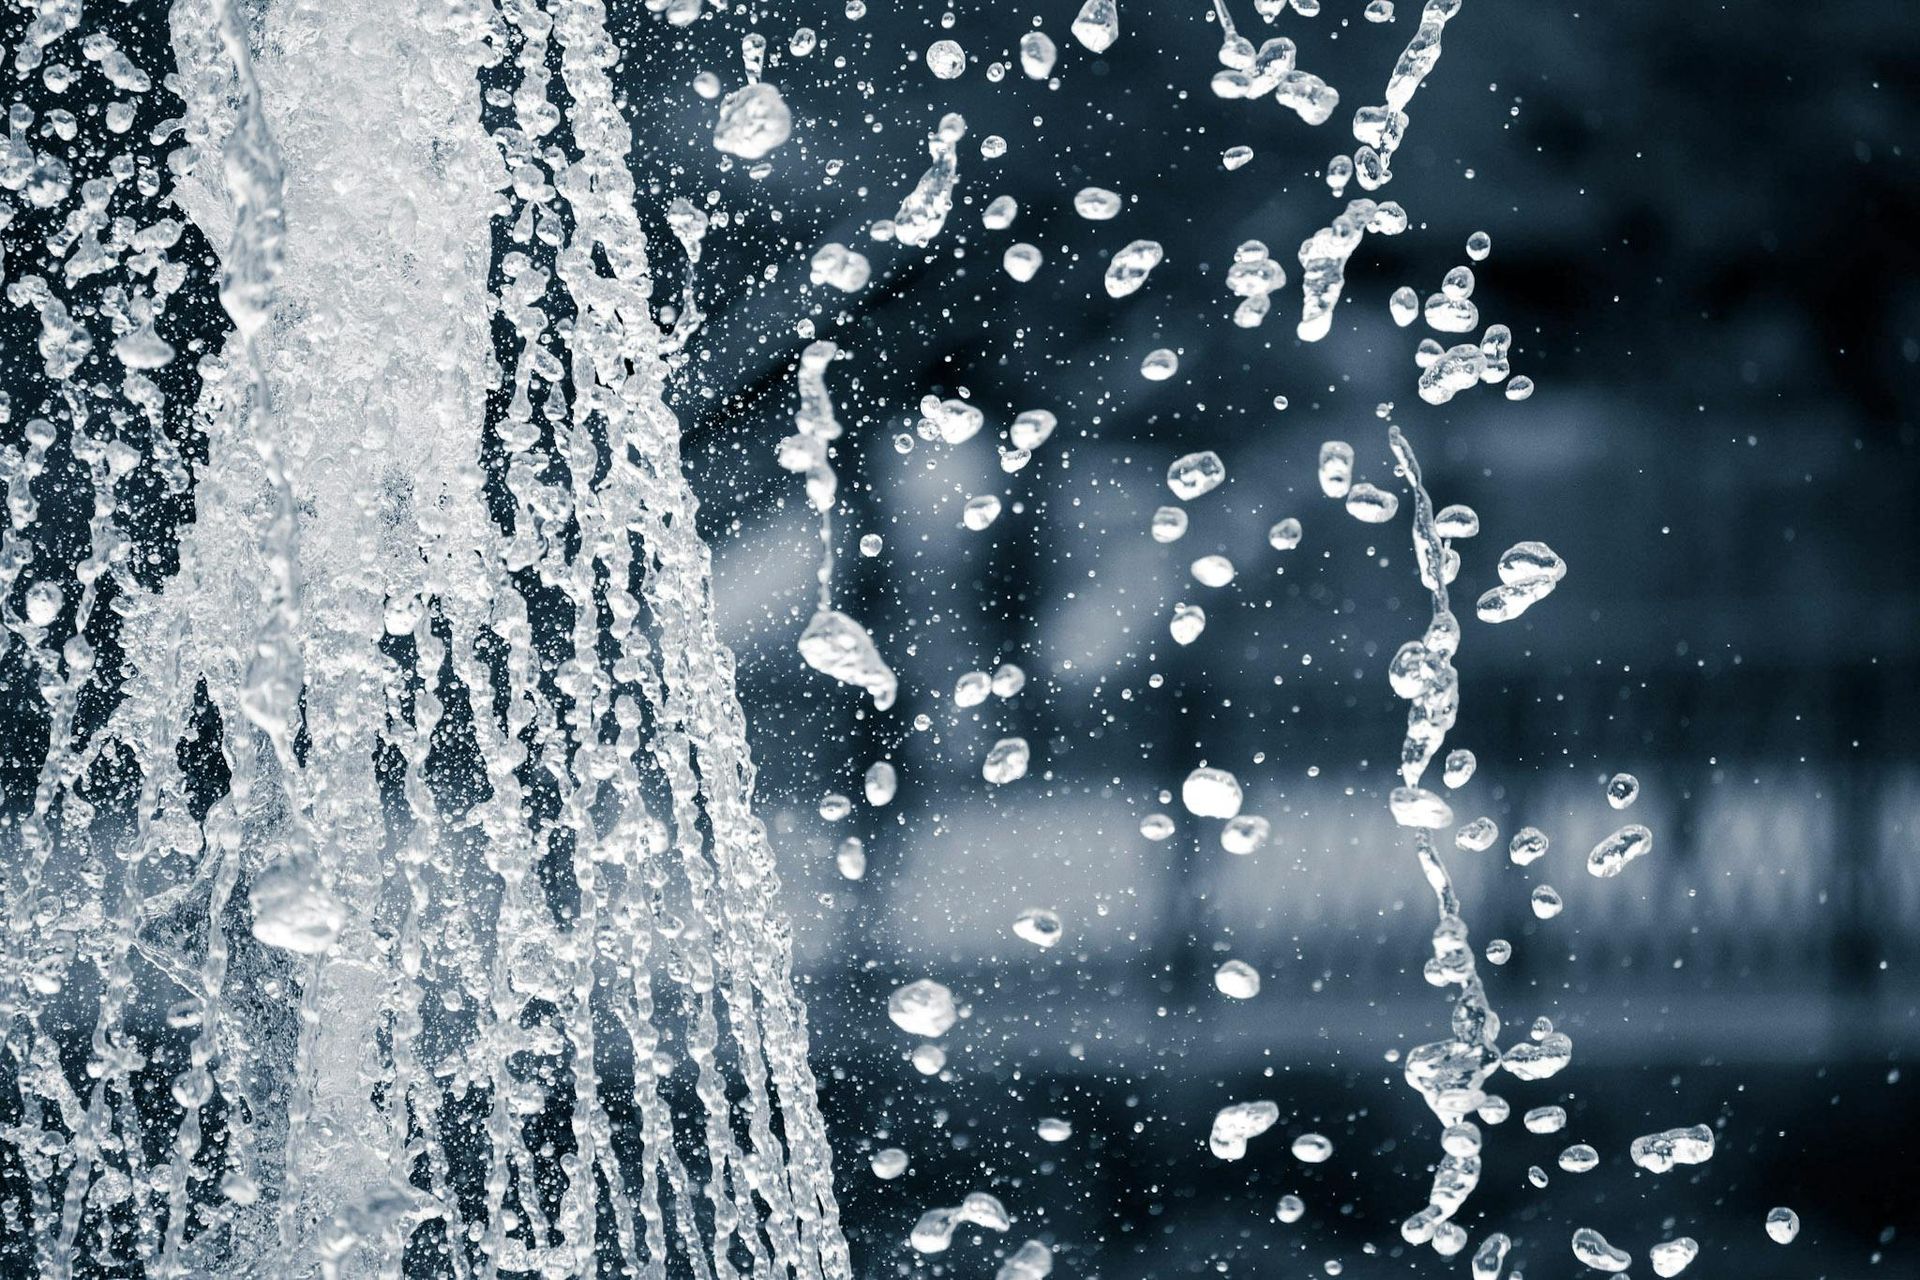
[(431, 889)]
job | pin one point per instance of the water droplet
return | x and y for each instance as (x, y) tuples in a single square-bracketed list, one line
[(923, 1008), (946, 59), (1622, 790), (1096, 204), (882, 781), (1097, 25), (1188, 621), (1131, 266), (1458, 768), (1196, 474), (1312, 1148), (1248, 833), (44, 602), (753, 121), (1579, 1158), (971, 689), (1545, 1120), (1008, 679), (1156, 826), (1234, 1125), (1007, 762), (1456, 522), (980, 512), (1529, 844), (1237, 980), (1159, 365), (1037, 54), (1546, 901), (1671, 1257), (888, 1163), (851, 860), (1290, 1209), (1592, 1248), (1211, 793), (1169, 524), (1212, 571), (1476, 836), (1371, 505), (1611, 856), (1054, 1129), (1782, 1225), (1336, 468), (844, 269), (1285, 535), (1021, 261), (1039, 926), (1660, 1152)]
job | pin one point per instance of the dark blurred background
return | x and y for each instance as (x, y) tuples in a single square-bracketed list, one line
[(1702, 223)]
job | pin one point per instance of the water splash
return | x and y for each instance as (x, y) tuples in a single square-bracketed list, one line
[(433, 882)]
